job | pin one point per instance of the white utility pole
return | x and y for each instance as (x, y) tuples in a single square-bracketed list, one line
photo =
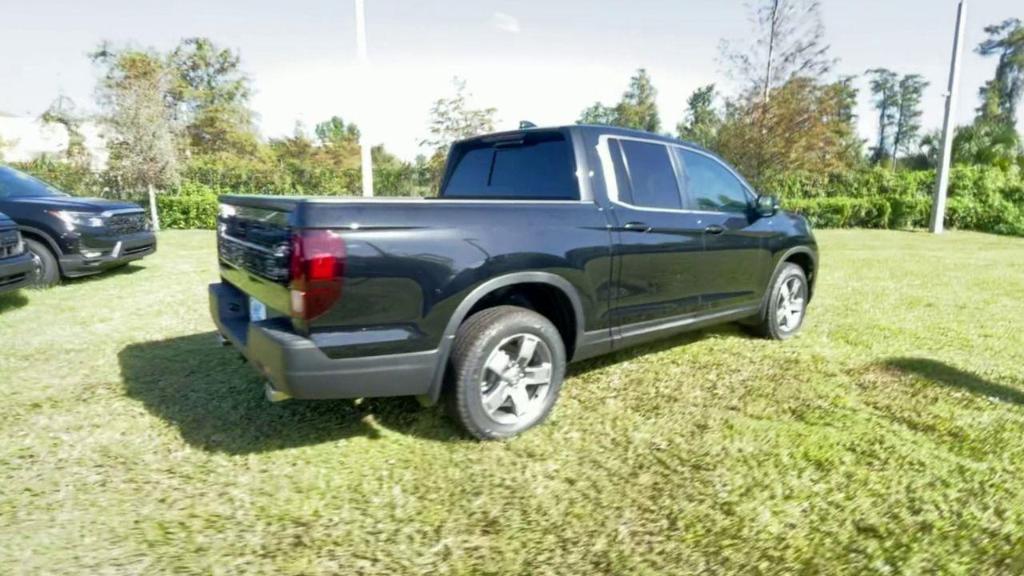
[(949, 125), (364, 65)]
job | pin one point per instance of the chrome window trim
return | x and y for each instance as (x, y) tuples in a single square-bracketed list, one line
[(612, 184), (436, 200)]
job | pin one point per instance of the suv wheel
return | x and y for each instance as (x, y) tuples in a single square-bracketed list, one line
[(47, 271), (787, 305), (508, 367)]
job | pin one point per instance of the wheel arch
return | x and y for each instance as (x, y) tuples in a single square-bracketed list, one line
[(802, 256), (480, 294), (40, 235)]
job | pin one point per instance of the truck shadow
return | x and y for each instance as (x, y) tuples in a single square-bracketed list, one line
[(724, 330), (943, 374), (216, 402), (12, 300), (126, 270)]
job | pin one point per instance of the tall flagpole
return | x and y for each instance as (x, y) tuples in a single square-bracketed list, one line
[(949, 125), (364, 66)]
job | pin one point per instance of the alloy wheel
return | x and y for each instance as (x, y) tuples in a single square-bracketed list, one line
[(36, 275), (516, 379), (789, 309)]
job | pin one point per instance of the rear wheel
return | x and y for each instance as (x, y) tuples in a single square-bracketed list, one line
[(47, 271), (508, 368), (787, 305)]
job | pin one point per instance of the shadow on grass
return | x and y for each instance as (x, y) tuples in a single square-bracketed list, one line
[(216, 401), (125, 270), (12, 300), (683, 339), (946, 375)]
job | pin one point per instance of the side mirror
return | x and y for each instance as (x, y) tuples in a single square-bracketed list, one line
[(767, 206)]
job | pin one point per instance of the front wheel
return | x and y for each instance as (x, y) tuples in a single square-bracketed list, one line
[(508, 365), (47, 271), (784, 313)]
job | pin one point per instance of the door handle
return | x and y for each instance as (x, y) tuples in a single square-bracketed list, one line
[(714, 230), (637, 227)]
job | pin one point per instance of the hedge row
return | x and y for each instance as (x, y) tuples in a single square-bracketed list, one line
[(986, 199), (980, 198), (901, 213)]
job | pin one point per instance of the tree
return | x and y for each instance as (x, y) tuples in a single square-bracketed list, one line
[(987, 144), (598, 114), (211, 94), (840, 116), (336, 132), (453, 119), (62, 112), (908, 116), (142, 133), (812, 126), (297, 148), (788, 43), (702, 121), (898, 102), (338, 144), (638, 108), (787, 57), (885, 91), (1001, 95)]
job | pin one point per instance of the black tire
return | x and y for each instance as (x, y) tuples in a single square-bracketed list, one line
[(48, 273), (768, 324), (488, 335)]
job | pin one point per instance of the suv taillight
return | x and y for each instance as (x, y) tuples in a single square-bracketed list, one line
[(317, 268)]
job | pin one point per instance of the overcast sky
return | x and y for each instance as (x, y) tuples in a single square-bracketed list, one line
[(537, 60)]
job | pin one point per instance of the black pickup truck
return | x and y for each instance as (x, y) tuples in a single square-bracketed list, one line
[(545, 246), (16, 265)]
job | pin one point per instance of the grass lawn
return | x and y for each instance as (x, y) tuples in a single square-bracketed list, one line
[(888, 438)]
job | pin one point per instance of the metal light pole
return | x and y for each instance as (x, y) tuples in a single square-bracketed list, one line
[(948, 126), (364, 67)]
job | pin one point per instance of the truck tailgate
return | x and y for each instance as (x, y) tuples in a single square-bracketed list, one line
[(253, 235)]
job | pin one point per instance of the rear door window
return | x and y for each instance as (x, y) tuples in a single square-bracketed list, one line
[(536, 166), (646, 176)]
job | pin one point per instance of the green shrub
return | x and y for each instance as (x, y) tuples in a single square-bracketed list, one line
[(193, 207), (73, 179)]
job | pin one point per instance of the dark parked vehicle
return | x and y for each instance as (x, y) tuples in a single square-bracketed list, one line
[(545, 246), (16, 265), (68, 236)]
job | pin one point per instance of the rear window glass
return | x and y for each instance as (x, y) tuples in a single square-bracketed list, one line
[(540, 166)]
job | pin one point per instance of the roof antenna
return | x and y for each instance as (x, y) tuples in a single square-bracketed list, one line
[(526, 125)]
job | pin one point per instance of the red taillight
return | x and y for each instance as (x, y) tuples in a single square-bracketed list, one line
[(317, 269)]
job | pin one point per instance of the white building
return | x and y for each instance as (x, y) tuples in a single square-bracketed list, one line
[(28, 138)]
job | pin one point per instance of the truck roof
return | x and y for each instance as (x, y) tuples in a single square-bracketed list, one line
[(601, 128)]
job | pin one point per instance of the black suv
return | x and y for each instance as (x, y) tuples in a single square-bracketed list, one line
[(70, 237), (16, 265)]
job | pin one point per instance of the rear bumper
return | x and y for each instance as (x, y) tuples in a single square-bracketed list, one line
[(16, 272), (111, 253), (295, 366)]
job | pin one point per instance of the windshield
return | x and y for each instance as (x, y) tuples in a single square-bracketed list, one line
[(15, 184)]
